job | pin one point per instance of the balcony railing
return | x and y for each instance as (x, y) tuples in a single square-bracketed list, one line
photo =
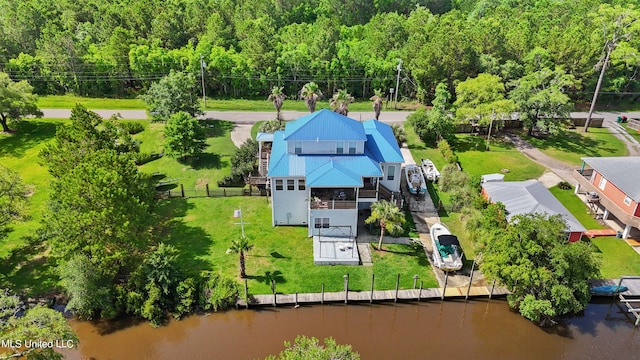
[(330, 204), (367, 194)]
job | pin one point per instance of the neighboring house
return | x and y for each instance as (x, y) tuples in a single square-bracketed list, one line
[(325, 167), (616, 182), (527, 197)]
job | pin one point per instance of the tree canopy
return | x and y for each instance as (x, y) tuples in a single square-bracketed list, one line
[(174, 93), (16, 101), (13, 199), (546, 275), (184, 136)]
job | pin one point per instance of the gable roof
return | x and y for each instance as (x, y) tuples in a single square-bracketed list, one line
[(381, 142), (324, 125), (523, 197), (622, 171)]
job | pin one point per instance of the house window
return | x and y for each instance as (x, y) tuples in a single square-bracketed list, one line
[(603, 183), (321, 223), (291, 184), (391, 172), (298, 147), (279, 185), (352, 147), (339, 147), (627, 200), (301, 185)]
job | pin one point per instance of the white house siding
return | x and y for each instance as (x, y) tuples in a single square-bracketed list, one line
[(289, 207), (393, 185), (323, 147), (339, 222)]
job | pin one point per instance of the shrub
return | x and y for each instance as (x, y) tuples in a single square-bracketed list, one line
[(132, 127), (445, 149), (232, 181), (186, 293), (563, 185), (217, 292)]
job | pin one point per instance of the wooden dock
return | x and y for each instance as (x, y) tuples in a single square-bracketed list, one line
[(368, 296), (630, 298)]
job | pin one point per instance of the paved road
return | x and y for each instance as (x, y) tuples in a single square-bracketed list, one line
[(238, 117)]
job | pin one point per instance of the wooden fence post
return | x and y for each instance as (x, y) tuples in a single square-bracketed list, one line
[(397, 286), (373, 277), (182, 190), (473, 267), (346, 288), (246, 293), (446, 279), (207, 187), (224, 192)]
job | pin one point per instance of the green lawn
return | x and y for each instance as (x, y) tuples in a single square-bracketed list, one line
[(576, 207), (202, 229), (618, 258), (25, 266), (211, 166), (69, 101), (632, 132), (475, 159), (575, 144)]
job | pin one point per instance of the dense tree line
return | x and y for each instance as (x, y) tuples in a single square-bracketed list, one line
[(99, 47)]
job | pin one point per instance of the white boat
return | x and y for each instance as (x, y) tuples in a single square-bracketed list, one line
[(430, 170), (447, 253), (415, 180)]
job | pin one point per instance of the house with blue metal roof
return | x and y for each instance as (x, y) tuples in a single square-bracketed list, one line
[(325, 167)]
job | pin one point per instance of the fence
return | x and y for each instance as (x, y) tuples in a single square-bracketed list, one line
[(181, 192)]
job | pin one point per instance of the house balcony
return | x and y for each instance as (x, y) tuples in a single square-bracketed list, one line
[(584, 180), (330, 199)]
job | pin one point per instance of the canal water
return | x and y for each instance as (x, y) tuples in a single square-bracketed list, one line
[(481, 329)]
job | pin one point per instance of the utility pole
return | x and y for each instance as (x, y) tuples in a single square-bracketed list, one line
[(204, 95), (395, 105)]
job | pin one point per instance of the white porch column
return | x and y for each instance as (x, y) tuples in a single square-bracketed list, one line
[(627, 230), (605, 216), (577, 188)]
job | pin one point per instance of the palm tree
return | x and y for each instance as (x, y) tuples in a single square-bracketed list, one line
[(311, 93), (399, 134), (388, 215), (271, 126), (240, 246), (377, 98), (277, 96), (340, 102)]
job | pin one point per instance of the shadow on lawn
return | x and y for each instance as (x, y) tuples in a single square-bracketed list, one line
[(571, 141), (28, 134), (28, 272), (217, 128), (268, 277), (191, 242)]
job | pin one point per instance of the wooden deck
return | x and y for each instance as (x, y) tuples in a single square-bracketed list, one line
[(366, 296), (602, 232)]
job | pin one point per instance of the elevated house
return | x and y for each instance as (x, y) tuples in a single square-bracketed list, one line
[(613, 183), (325, 167), (524, 197)]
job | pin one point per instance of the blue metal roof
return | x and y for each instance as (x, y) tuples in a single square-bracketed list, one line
[(340, 170), (261, 136), (282, 164), (324, 125), (381, 142)]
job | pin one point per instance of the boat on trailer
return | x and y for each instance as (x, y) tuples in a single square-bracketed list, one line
[(415, 180), (430, 170), (447, 253)]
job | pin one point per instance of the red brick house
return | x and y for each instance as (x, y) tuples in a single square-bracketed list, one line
[(615, 183)]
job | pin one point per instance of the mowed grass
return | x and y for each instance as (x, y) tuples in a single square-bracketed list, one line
[(575, 144), (208, 168), (632, 132), (576, 207), (618, 258), (24, 264), (202, 230), (69, 101)]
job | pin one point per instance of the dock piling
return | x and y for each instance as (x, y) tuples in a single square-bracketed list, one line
[(373, 277), (397, 286), (473, 267), (444, 290)]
